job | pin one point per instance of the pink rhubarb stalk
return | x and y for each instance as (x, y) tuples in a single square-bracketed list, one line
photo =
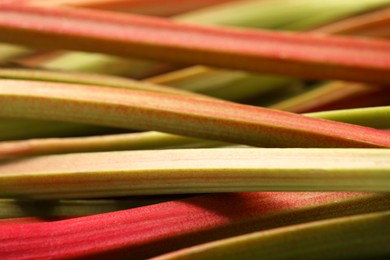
[(296, 54)]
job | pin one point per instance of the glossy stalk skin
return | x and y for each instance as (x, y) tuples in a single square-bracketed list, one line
[(355, 237), (132, 233), (280, 53), (211, 170)]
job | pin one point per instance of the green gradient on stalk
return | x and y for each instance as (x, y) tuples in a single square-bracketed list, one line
[(363, 236), (210, 170)]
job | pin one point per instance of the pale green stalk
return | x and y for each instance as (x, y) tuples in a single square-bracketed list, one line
[(363, 236), (377, 117), (195, 171)]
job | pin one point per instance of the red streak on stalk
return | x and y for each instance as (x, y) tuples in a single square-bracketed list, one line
[(180, 115), (297, 54), (156, 229)]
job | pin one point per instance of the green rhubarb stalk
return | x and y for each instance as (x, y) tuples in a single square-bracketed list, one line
[(132, 233), (376, 117), (363, 236), (210, 170), (190, 116)]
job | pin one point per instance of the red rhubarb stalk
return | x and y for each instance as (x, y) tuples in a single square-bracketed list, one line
[(297, 54), (152, 230)]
